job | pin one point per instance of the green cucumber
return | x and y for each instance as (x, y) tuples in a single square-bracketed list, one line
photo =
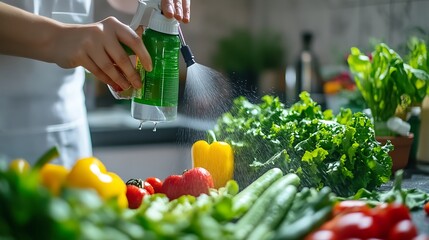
[(303, 226), (245, 199), (274, 214), (256, 213), (311, 214)]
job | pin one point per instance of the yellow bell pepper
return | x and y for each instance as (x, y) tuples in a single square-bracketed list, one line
[(19, 165), (91, 173), (53, 177), (217, 158)]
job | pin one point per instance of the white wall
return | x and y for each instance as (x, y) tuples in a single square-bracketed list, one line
[(341, 24)]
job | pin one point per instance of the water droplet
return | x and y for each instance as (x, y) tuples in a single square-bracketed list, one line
[(154, 126), (141, 125)]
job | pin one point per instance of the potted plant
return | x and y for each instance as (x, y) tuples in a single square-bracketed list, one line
[(390, 87)]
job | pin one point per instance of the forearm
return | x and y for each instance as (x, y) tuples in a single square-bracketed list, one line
[(25, 34), (96, 46)]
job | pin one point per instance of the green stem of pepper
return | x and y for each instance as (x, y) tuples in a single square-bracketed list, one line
[(211, 136), (48, 156)]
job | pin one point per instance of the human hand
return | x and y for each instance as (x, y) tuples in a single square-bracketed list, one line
[(97, 48), (179, 9)]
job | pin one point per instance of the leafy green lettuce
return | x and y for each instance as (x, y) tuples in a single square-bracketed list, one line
[(324, 150)]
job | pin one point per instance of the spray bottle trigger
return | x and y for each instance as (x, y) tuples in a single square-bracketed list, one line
[(141, 8), (137, 18)]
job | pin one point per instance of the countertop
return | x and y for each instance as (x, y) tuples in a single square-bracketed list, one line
[(412, 178), (116, 127)]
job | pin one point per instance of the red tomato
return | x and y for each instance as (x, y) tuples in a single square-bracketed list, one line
[(387, 215), (141, 184), (382, 222), (148, 187), (426, 207), (356, 225), (329, 225), (156, 183), (195, 181), (402, 230), (350, 206), (392, 213), (135, 196), (322, 234)]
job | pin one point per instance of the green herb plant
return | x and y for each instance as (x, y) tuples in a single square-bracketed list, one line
[(387, 83)]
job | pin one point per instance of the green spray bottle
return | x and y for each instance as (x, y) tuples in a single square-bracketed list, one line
[(157, 100)]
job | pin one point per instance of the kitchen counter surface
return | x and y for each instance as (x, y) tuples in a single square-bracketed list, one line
[(413, 178), (116, 127)]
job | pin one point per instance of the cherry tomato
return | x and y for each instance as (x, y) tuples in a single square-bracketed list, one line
[(382, 222), (387, 215), (135, 196), (404, 229), (329, 225), (392, 213), (156, 183), (322, 234), (148, 187), (351, 206), (426, 207), (356, 225), (141, 184)]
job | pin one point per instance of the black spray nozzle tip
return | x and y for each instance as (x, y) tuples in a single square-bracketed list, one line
[(187, 55)]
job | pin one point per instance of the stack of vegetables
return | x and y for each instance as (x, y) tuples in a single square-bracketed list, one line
[(278, 173), (274, 206)]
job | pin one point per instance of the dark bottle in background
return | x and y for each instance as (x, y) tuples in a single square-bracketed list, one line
[(307, 72)]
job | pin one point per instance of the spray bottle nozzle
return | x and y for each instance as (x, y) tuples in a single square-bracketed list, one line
[(187, 55), (186, 50)]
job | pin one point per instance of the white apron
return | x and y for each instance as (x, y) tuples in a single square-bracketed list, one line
[(41, 104)]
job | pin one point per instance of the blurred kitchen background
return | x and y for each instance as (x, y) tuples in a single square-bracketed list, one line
[(258, 46)]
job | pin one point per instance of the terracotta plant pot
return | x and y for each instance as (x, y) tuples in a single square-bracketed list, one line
[(401, 151)]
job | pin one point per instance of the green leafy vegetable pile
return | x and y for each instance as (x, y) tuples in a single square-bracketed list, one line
[(323, 149)]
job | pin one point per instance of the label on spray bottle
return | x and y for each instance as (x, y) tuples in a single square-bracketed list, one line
[(161, 85)]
